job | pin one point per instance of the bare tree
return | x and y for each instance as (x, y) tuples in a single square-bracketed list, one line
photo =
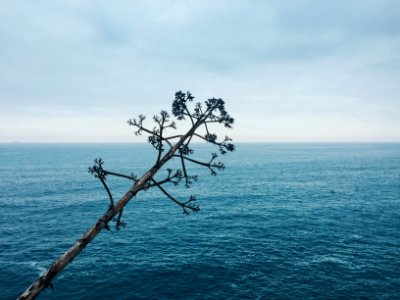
[(178, 146)]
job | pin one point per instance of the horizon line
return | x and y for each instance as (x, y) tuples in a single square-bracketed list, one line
[(199, 142)]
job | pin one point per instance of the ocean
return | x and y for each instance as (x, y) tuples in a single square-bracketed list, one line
[(283, 221)]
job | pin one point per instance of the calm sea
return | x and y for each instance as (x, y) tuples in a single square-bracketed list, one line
[(283, 221)]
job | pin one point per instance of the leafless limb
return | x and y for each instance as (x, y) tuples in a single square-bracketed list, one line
[(213, 111)]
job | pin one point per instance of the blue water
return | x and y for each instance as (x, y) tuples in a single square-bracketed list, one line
[(283, 221)]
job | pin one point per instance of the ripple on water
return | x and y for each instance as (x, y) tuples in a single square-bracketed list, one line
[(283, 221)]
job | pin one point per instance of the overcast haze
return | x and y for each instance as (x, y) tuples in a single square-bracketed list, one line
[(75, 71)]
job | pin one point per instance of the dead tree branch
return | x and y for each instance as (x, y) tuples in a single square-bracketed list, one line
[(212, 112)]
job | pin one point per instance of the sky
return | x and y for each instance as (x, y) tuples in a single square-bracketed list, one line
[(289, 71)]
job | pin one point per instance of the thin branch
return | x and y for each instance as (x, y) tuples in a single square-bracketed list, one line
[(188, 114), (200, 136), (152, 132), (173, 137), (108, 192), (119, 223), (205, 124), (166, 193), (184, 205), (169, 178), (209, 165), (184, 171), (187, 143), (168, 142), (192, 160), (121, 175), (160, 144)]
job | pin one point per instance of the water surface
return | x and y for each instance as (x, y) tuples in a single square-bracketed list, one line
[(282, 221)]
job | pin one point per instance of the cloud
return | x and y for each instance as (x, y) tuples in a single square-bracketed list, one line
[(278, 59)]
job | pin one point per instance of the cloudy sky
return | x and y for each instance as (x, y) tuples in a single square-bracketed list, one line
[(75, 71)]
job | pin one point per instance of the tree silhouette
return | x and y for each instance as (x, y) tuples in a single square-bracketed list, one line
[(168, 147)]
